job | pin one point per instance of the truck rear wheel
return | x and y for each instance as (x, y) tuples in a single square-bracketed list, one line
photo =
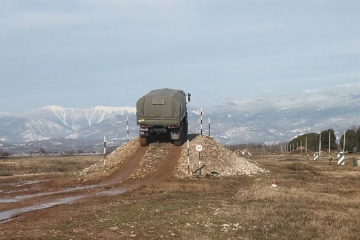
[(180, 140), (143, 141)]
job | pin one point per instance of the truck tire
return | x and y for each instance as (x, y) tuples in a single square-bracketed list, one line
[(178, 142), (143, 141)]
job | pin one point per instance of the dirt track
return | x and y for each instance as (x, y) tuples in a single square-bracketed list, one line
[(74, 202), (166, 167), (20, 200), (312, 200), (124, 171)]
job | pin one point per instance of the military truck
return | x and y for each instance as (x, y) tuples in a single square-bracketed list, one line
[(162, 116)]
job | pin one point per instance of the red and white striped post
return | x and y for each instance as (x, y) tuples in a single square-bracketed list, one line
[(104, 154), (209, 127), (127, 128), (104, 147), (188, 155), (201, 113)]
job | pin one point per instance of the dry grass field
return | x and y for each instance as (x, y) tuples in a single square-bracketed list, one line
[(45, 164), (312, 200)]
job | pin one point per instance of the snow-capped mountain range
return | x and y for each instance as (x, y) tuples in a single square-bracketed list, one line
[(261, 120), (54, 122)]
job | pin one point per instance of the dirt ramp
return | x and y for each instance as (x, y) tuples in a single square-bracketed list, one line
[(167, 166), (158, 163), (127, 167), (115, 163), (152, 163)]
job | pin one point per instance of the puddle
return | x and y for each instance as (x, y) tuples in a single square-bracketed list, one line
[(8, 200), (82, 187), (27, 183), (106, 192), (5, 216), (23, 190), (21, 197), (16, 185), (33, 195), (113, 192), (22, 183)]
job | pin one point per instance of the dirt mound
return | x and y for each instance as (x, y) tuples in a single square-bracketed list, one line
[(217, 159), (118, 156)]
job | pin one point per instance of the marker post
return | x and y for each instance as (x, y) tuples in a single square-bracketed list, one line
[(199, 149), (201, 125), (104, 154), (188, 155), (209, 127), (127, 128)]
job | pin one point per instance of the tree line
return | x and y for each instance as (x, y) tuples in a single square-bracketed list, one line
[(327, 138), (312, 140), (4, 154), (309, 140)]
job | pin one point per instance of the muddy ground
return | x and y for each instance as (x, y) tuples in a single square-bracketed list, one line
[(312, 200)]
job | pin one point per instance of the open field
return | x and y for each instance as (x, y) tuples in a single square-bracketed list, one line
[(42, 165), (312, 200)]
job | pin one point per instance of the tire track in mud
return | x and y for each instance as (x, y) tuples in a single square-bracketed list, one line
[(46, 199), (167, 166), (163, 167), (124, 171), (21, 204)]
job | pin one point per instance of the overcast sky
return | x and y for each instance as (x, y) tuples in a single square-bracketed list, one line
[(86, 53)]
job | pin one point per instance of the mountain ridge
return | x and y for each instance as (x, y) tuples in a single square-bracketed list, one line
[(268, 119)]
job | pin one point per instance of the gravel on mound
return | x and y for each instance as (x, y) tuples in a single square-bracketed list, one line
[(151, 160), (217, 159), (118, 156)]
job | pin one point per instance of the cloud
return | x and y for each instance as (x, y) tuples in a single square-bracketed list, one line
[(349, 88), (278, 45), (266, 93), (40, 14), (44, 19), (138, 10), (348, 46), (333, 78), (99, 17)]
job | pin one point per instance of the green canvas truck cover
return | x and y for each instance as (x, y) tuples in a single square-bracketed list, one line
[(161, 104)]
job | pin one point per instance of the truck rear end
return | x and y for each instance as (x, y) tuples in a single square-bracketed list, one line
[(162, 115)]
